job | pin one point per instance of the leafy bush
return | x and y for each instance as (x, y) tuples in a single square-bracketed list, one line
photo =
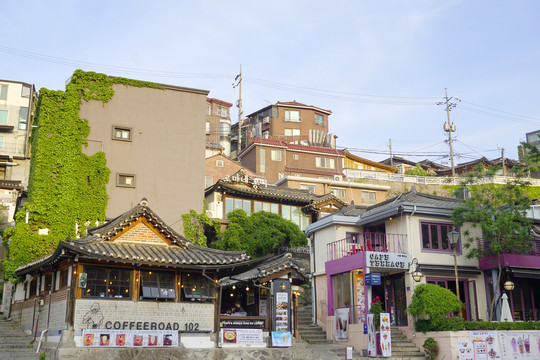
[(433, 301), (430, 348), (458, 324)]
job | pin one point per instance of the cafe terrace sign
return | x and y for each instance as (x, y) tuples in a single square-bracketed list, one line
[(387, 260)]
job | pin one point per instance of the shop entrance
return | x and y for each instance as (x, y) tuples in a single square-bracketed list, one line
[(392, 294)]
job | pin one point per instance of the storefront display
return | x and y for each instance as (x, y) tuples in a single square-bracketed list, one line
[(128, 338)]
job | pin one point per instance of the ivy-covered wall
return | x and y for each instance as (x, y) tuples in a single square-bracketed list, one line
[(66, 186)]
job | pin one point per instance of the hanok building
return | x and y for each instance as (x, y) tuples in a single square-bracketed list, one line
[(136, 282), (250, 194)]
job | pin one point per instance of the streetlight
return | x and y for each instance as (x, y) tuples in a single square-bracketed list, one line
[(417, 273), (453, 237), (508, 285)]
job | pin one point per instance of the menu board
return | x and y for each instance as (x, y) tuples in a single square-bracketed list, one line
[(282, 311), (386, 338), (129, 338), (372, 342), (519, 344), (465, 350), (485, 343)]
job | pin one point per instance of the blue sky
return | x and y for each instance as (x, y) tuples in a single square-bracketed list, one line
[(379, 66)]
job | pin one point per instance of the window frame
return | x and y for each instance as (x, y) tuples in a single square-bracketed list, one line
[(321, 162), (5, 111), (287, 115), (439, 225), (116, 128), (122, 175), (369, 192), (319, 119), (3, 92), (275, 155), (334, 191), (219, 163), (23, 122), (310, 187), (199, 280), (108, 281), (167, 287)]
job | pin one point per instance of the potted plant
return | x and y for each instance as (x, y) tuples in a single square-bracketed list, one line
[(376, 309)]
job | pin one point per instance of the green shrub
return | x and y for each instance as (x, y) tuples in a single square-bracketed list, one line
[(433, 301), (458, 324), (430, 348)]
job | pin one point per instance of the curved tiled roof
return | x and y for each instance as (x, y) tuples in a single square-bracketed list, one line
[(99, 245), (267, 267)]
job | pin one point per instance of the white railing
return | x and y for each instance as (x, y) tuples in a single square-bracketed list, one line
[(355, 174)]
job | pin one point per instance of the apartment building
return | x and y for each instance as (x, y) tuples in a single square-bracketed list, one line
[(154, 141), (218, 126)]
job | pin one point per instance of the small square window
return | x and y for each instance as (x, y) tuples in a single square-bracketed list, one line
[(121, 133), (3, 92), (276, 155), (219, 163), (295, 157), (125, 180)]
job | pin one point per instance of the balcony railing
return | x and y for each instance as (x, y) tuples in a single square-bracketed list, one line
[(535, 250), (380, 242)]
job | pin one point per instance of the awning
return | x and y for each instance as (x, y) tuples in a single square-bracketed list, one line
[(526, 273), (449, 270)]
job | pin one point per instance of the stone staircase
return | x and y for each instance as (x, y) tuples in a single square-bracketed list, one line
[(15, 343), (402, 348)]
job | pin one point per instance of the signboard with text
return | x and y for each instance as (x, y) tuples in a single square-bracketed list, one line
[(373, 279), (387, 260)]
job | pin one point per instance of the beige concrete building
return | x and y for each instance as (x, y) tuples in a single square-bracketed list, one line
[(154, 141), (218, 125)]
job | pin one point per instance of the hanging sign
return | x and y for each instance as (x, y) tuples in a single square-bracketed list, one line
[(373, 279)]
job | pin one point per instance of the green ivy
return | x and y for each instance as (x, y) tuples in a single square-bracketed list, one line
[(66, 186), (431, 348)]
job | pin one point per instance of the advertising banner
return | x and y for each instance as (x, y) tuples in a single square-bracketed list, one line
[(360, 298), (242, 336), (372, 342), (465, 350), (129, 338), (519, 345), (485, 344), (386, 338), (282, 311), (341, 324), (281, 338)]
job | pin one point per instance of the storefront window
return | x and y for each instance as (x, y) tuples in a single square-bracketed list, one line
[(157, 285), (342, 290), (196, 287), (107, 282)]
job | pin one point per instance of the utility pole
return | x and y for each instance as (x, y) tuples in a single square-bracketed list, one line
[(391, 157), (449, 127), (239, 105), (503, 162)]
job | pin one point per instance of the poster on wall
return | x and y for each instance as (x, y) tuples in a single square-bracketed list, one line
[(372, 342), (465, 350), (282, 311), (519, 345), (242, 336), (281, 338), (129, 338), (360, 297), (485, 344), (386, 338), (341, 324)]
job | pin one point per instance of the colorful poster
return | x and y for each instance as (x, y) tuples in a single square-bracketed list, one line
[(372, 342), (360, 297), (281, 338), (341, 324), (386, 337), (282, 311), (242, 336), (485, 343), (465, 350), (128, 338), (519, 344)]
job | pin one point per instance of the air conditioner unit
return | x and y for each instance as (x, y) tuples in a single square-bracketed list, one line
[(266, 120), (210, 213), (338, 178)]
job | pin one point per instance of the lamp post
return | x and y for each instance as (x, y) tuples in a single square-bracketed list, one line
[(453, 237)]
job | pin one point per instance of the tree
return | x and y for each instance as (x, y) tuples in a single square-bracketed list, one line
[(499, 211), (259, 234), (417, 170), (200, 228)]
